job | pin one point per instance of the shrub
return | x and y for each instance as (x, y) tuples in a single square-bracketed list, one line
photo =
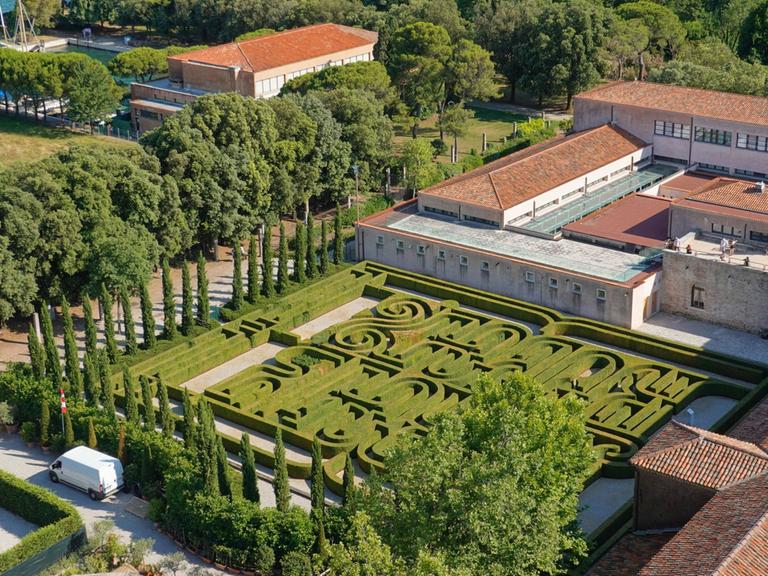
[(439, 146), (29, 432), (262, 559), (296, 564)]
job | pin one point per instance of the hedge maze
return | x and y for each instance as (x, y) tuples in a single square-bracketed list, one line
[(387, 371)]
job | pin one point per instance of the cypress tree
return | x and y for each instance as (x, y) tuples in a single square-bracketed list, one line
[(36, 354), (169, 304), (349, 480), (324, 247), (52, 363), (250, 478), (72, 362), (300, 254), (147, 472), (121, 445), (91, 380), (282, 262), (321, 543), (267, 281), (147, 320), (45, 421), (91, 336), (311, 253), (222, 467), (253, 270), (281, 486), (190, 428), (131, 406), (338, 241), (237, 276), (92, 442), (187, 311), (69, 433), (107, 391), (131, 346), (207, 451), (167, 420), (317, 485), (109, 325), (203, 305), (146, 399)]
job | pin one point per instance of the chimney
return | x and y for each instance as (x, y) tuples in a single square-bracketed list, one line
[(761, 187)]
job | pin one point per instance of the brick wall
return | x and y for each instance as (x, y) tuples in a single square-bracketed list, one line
[(664, 502)]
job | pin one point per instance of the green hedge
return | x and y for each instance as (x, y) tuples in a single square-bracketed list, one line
[(57, 519)]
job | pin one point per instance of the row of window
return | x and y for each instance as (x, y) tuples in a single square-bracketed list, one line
[(750, 173), (713, 136), (713, 168), (724, 230), (672, 129), (480, 220), (441, 211), (750, 142), (270, 85)]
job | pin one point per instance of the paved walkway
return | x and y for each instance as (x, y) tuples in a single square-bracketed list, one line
[(335, 316), (260, 355), (601, 499), (707, 410), (12, 529), (708, 336), (522, 110)]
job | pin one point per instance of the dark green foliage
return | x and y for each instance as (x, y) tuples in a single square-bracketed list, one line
[(147, 320), (311, 269), (45, 422), (109, 325), (91, 336), (338, 239), (203, 304), (36, 353), (72, 362), (187, 311), (349, 480), (300, 254), (147, 472), (207, 450), (167, 420), (324, 247), (91, 381), (131, 345), (282, 262), (190, 426), (296, 564), (250, 478), (107, 387), (253, 270), (267, 281), (169, 305), (316, 481), (222, 467), (69, 433), (131, 405), (281, 486), (52, 363), (146, 400), (237, 276), (263, 559), (92, 440)]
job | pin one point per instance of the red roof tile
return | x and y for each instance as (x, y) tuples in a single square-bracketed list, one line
[(754, 426), (700, 457), (526, 174), (727, 537), (690, 101), (733, 194), (630, 554), (283, 48)]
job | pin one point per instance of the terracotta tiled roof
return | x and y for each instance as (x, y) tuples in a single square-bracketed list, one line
[(734, 194), (690, 101), (754, 426), (727, 537), (630, 554), (700, 457), (283, 48), (524, 175)]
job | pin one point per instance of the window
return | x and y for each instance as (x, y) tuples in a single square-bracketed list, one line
[(530, 276), (670, 159), (400, 245), (441, 254), (712, 136), (713, 168), (601, 295), (576, 288), (617, 172), (379, 240), (485, 266), (480, 220), (672, 130), (750, 142), (751, 174), (149, 114), (463, 261), (421, 249), (724, 230), (553, 283), (572, 193), (697, 297), (440, 211), (758, 236)]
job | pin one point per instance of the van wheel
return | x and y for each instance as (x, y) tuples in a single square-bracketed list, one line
[(54, 477), (93, 495)]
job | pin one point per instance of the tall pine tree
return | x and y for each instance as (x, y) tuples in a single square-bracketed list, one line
[(147, 320), (281, 486), (45, 421), (250, 478), (146, 399), (91, 335), (92, 442), (237, 276), (109, 325), (317, 485), (222, 467), (121, 454), (71, 360), (131, 404), (187, 307), (324, 247), (203, 304), (169, 304), (69, 432), (338, 239), (253, 269), (207, 450), (131, 345), (349, 480), (282, 262), (167, 421), (91, 380), (107, 387), (300, 254), (311, 255), (36, 353), (52, 362), (190, 427), (267, 281)]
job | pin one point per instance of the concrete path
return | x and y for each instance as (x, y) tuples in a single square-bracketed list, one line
[(259, 355), (522, 110), (12, 529), (261, 440), (706, 411), (708, 336), (336, 316), (601, 499)]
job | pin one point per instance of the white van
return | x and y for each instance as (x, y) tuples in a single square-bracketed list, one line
[(88, 470)]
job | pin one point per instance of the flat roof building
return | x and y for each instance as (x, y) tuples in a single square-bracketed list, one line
[(257, 68)]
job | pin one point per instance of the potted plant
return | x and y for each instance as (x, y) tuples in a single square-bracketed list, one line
[(8, 418), (29, 433)]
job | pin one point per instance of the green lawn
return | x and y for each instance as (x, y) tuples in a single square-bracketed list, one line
[(494, 123), (24, 140)]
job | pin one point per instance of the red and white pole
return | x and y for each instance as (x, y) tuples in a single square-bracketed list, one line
[(63, 409)]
